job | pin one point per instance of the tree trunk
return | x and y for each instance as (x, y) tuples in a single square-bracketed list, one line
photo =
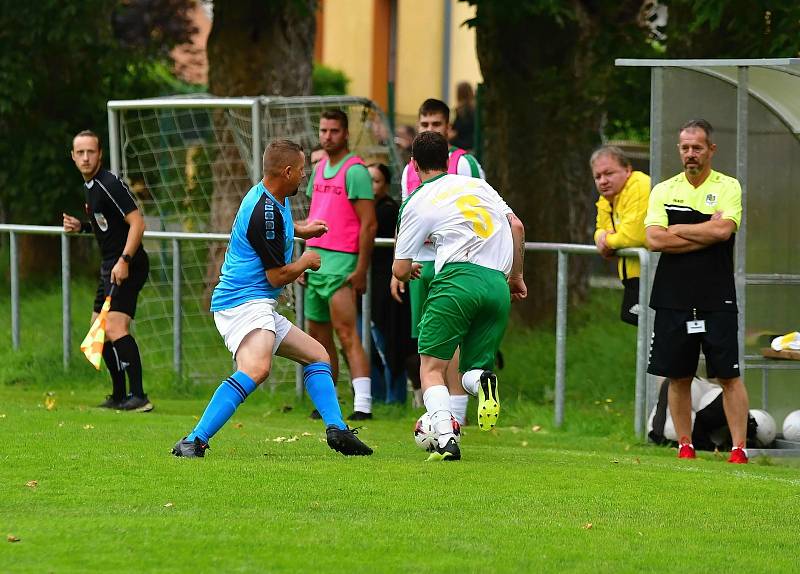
[(254, 48), (544, 91)]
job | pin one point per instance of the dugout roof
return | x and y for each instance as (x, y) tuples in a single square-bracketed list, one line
[(754, 106)]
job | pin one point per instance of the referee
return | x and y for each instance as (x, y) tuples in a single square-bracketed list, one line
[(692, 220), (118, 226)]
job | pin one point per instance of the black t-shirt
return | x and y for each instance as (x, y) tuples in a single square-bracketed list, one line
[(701, 279), (108, 201)]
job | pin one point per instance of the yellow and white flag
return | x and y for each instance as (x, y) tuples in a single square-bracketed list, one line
[(92, 345)]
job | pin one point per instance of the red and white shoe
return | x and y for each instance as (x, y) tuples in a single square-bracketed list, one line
[(738, 455), (686, 449)]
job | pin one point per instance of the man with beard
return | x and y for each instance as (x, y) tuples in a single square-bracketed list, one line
[(341, 193), (118, 226), (258, 263), (692, 220)]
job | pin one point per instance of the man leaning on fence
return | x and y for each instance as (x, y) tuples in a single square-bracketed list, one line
[(621, 208), (118, 226)]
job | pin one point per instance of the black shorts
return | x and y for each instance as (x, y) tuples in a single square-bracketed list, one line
[(127, 294), (674, 353)]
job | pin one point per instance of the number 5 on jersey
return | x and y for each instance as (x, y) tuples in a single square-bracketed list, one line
[(480, 218)]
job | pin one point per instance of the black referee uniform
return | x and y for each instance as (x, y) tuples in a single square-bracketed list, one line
[(108, 201)]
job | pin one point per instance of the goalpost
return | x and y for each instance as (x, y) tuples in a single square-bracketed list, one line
[(189, 160)]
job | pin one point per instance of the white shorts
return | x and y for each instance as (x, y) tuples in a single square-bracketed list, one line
[(236, 323)]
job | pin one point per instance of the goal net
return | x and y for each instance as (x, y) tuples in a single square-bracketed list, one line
[(189, 161)]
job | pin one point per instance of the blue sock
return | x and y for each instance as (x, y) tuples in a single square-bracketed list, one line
[(229, 395), (319, 384)]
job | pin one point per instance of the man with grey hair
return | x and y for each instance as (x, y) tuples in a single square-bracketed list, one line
[(621, 209), (692, 220)]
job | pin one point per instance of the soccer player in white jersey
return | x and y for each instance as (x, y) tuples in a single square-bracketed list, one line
[(479, 247), (434, 116)]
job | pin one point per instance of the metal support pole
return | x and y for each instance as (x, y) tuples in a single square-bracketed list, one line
[(366, 318), (255, 132), (764, 388), (14, 290), (742, 128), (66, 317), (114, 146), (299, 321), (561, 337), (176, 308), (641, 347), (446, 49)]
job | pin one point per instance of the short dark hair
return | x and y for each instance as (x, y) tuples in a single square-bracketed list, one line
[(88, 133), (279, 154), (699, 124), (611, 151), (430, 151), (335, 114), (434, 106), (385, 171)]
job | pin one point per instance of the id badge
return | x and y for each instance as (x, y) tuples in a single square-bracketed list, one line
[(696, 326)]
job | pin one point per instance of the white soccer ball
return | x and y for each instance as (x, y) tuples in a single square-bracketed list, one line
[(426, 437), (791, 426), (765, 433)]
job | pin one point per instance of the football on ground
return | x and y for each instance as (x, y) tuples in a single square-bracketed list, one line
[(426, 437)]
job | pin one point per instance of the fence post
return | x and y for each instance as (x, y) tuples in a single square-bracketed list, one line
[(14, 290), (366, 318), (176, 308), (66, 300), (299, 320), (642, 348), (561, 337)]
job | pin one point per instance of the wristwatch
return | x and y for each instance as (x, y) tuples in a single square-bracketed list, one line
[(126, 258)]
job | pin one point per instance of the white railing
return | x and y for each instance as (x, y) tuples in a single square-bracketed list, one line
[(563, 250)]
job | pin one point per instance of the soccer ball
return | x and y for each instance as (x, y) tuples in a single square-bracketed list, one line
[(791, 426), (426, 437), (765, 433)]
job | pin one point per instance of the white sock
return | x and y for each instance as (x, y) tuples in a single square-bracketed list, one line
[(362, 394), (471, 381), (437, 403), (458, 406)]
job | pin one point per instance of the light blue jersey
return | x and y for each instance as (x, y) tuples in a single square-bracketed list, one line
[(262, 238)]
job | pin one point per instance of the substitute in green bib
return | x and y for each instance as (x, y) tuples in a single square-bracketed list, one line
[(692, 220), (478, 244)]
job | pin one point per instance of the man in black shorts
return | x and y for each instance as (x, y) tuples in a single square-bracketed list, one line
[(118, 227), (692, 220)]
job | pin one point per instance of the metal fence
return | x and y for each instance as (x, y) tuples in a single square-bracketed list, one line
[(563, 250)]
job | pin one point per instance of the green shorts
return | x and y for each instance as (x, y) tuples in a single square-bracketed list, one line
[(318, 292), (467, 306), (418, 291)]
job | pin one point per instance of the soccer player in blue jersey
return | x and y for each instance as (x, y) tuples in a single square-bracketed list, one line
[(258, 263)]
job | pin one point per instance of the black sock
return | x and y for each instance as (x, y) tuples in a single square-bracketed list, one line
[(117, 374), (128, 353)]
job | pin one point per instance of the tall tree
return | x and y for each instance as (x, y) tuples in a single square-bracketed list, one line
[(547, 67), (255, 48), (60, 62)]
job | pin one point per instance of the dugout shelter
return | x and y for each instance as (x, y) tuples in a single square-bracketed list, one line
[(754, 107)]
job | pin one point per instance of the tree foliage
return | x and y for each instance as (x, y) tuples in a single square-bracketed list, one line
[(551, 88), (60, 62)]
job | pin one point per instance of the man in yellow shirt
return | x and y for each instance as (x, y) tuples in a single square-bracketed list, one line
[(621, 209), (692, 220)]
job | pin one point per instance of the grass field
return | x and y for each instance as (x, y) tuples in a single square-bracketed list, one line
[(590, 497)]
